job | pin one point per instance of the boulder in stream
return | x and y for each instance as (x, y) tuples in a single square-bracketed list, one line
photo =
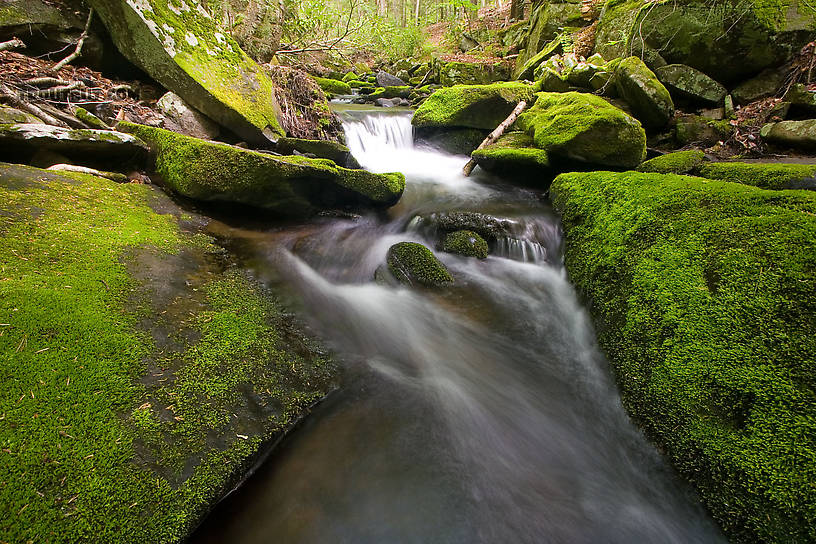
[(291, 186), (414, 264), (324, 149), (515, 155), (471, 106), (180, 46), (586, 128), (384, 79), (466, 243)]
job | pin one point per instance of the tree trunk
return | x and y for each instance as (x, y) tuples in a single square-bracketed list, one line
[(517, 9), (496, 134)]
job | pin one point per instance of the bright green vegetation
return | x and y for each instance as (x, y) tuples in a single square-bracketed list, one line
[(398, 91), (324, 149), (289, 185), (691, 129), (333, 86), (412, 263), (449, 74), (186, 52), (679, 162), (465, 242), (90, 119), (108, 435), (644, 93), (515, 155), (766, 176), (703, 295), (526, 70), (585, 128), (472, 106)]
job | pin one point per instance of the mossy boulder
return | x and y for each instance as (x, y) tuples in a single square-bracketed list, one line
[(466, 243), (333, 87), (291, 186), (457, 141), (472, 106), (802, 100), (702, 294), (765, 176), (90, 119), (11, 116), (323, 149), (349, 77), (727, 40), (514, 155), (798, 134), (489, 227), (639, 87), (449, 73), (183, 49), (696, 129), (18, 142), (585, 128), (414, 264), (691, 84), (547, 21), (527, 69), (679, 162), (156, 370), (391, 92)]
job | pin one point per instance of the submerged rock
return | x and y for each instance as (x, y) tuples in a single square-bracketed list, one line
[(291, 186), (585, 128), (414, 264), (471, 106), (703, 295), (466, 243), (182, 48), (691, 84), (488, 226), (639, 87)]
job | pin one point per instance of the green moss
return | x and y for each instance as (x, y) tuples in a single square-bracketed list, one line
[(399, 91), (350, 76), (465, 242), (515, 155), (90, 444), (696, 129), (471, 106), (680, 162), (702, 292), (585, 128), (289, 185), (766, 176), (333, 86), (90, 119), (526, 70), (644, 93), (412, 263), (467, 73)]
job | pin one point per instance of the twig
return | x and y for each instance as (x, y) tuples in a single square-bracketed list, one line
[(78, 51), (495, 135), (45, 82), (12, 44), (57, 91)]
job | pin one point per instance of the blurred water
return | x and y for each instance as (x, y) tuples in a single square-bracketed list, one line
[(483, 412)]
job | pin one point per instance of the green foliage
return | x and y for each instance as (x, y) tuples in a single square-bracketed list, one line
[(703, 295)]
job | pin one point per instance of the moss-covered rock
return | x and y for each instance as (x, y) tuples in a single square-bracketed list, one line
[(414, 264), (640, 88), (765, 176), (11, 116), (466, 243), (691, 84), (696, 129), (182, 48), (802, 100), (548, 20), (391, 92), (19, 142), (798, 134), (489, 227), (156, 371), (291, 186), (472, 106), (448, 74), (90, 119), (727, 40), (514, 155), (585, 128), (702, 292), (680, 162), (333, 87), (527, 69), (350, 76), (457, 141), (323, 149)]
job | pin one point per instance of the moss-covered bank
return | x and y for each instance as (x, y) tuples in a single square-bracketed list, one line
[(703, 295), (140, 371)]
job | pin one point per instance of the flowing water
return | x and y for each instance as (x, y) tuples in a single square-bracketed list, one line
[(482, 412)]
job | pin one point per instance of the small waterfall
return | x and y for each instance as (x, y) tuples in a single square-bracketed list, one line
[(526, 251), (378, 132)]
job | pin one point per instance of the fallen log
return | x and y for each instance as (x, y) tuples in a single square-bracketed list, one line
[(496, 134), (12, 45)]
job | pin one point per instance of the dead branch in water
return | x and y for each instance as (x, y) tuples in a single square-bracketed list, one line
[(496, 134)]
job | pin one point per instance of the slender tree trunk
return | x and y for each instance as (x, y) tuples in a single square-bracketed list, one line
[(416, 12)]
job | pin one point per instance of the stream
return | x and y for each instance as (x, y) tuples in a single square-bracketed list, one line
[(481, 412)]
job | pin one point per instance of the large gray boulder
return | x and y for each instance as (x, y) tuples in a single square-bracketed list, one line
[(183, 118), (179, 45), (97, 145), (690, 83), (646, 95)]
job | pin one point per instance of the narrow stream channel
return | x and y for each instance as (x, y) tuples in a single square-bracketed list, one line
[(480, 413)]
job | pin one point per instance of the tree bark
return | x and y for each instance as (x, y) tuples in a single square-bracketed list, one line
[(496, 134)]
